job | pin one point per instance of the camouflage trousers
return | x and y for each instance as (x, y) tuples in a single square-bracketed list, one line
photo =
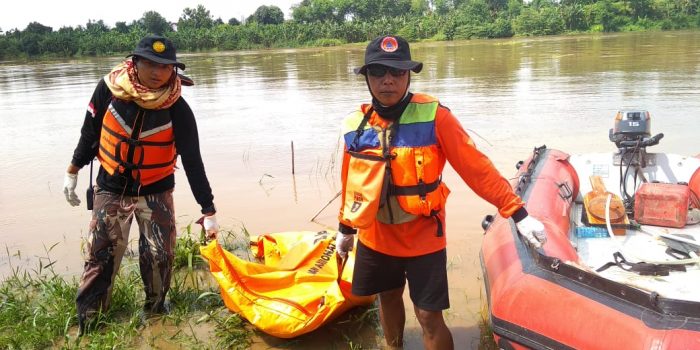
[(108, 239)]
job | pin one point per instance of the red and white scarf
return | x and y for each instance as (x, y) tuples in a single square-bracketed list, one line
[(124, 84)]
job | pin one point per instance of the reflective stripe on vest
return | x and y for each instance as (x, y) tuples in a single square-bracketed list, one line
[(150, 156)]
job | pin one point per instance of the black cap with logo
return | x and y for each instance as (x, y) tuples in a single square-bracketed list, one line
[(391, 51), (157, 49)]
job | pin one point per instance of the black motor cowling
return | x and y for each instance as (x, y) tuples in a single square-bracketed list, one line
[(633, 130)]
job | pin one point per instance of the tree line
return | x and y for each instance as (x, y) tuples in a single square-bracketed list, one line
[(335, 22)]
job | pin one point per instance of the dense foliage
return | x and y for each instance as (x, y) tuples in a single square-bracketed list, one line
[(331, 22)]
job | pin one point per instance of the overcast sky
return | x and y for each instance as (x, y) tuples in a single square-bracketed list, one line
[(57, 14)]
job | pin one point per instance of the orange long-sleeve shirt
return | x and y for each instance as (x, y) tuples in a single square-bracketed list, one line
[(418, 237)]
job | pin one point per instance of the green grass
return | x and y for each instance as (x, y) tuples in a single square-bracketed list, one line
[(37, 308), (486, 341)]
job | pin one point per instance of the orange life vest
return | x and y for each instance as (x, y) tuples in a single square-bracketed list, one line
[(148, 154), (406, 154)]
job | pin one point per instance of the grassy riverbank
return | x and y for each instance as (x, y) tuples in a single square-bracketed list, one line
[(38, 308)]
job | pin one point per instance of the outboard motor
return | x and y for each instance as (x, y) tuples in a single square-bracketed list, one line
[(631, 134), (630, 125)]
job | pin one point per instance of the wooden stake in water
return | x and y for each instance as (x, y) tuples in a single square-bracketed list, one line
[(292, 157)]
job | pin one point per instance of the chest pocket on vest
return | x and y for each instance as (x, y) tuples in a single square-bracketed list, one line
[(365, 188)]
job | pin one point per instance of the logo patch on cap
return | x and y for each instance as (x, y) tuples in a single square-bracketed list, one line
[(158, 46), (389, 44)]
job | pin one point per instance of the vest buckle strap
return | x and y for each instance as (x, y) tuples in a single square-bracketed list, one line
[(422, 189), (132, 142), (440, 230)]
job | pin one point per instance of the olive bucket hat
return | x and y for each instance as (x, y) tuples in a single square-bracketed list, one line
[(390, 51), (157, 49)]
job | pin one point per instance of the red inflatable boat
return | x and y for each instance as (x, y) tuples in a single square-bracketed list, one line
[(620, 272)]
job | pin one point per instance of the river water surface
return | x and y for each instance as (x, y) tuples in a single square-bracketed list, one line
[(251, 107)]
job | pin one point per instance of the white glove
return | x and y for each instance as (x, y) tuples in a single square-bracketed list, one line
[(532, 230), (211, 227), (344, 244), (70, 181)]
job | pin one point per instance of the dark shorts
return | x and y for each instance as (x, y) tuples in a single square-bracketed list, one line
[(375, 272)]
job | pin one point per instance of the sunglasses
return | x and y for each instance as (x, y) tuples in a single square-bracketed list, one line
[(380, 71)]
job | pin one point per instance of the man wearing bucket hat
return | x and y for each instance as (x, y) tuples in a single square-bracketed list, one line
[(136, 124), (393, 197)]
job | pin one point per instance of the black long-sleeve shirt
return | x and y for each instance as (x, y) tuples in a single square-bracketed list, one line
[(186, 144)]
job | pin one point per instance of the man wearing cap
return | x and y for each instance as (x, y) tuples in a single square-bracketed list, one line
[(394, 199), (136, 124)]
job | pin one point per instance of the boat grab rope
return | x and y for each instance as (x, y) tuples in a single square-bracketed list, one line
[(526, 177)]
